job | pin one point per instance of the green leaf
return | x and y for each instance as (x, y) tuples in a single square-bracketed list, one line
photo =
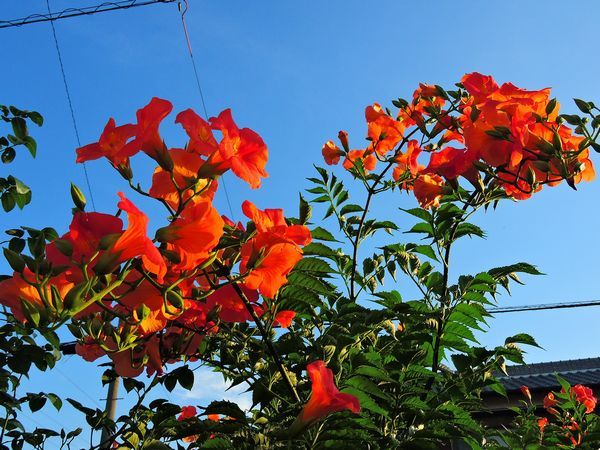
[(74, 298), (169, 382), (563, 383), (426, 250), (518, 267), (20, 187), (366, 385), (50, 335), (217, 443), (305, 211), (460, 330), (19, 127), (84, 409), (384, 224), (16, 244), (155, 445), (36, 402), (350, 208), (323, 173), (390, 298), (342, 197), (314, 265), (50, 234), (14, 259), (31, 312), (460, 417), (422, 227), (498, 388), (8, 155), (366, 401), (468, 229), (322, 235), (8, 201), (185, 377), (434, 282), (422, 214), (315, 284), (572, 119), (522, 338), (15, 232), (19, 364), (22, 199), (31, 145), (317, 190), (36, 118), (321, 199), (55, 400), (373, 372), (318, 249), (329, 212), (226, 408)]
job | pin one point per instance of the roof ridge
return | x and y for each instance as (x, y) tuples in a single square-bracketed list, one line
[(570, 366), (537, 374), (556, 362)]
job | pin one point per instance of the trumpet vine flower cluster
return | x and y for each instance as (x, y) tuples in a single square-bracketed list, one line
[(493, 136), (145, 301)]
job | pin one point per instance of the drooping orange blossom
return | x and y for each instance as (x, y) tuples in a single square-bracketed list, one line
[(325, 398)]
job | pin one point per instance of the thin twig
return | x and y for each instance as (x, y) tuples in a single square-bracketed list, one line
[(266, 340)]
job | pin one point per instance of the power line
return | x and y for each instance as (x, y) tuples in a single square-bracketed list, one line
[(189, 46), (49, 417), (76, 386), (64, 77), (544, 307), (76, 12)]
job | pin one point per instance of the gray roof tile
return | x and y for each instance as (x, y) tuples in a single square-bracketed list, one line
[(542, 375)]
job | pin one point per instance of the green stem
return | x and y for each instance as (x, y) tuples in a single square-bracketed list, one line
[(266, 340), (370, 192), (7, 416), (445, 303)]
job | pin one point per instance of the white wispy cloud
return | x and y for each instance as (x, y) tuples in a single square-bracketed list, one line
[(210, 386)]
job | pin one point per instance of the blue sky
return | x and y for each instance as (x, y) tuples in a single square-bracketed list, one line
[(297, 73)]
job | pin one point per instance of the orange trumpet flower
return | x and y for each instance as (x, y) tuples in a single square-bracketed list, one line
[(325, 398)]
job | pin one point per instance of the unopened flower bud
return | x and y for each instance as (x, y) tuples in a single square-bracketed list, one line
[(78, 197), (530, 176), (125, 171), (431, 323), (163, 158), (525, 391), (343, 137)]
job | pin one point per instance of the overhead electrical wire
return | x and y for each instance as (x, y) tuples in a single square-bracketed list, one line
[(70, 380), (68, 348), (105, 7), (189, 46), (69, 101), (76, 12), (544, 307)]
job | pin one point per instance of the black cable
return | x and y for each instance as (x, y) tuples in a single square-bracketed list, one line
[(76, 12), (544, 307), (64, 77)]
